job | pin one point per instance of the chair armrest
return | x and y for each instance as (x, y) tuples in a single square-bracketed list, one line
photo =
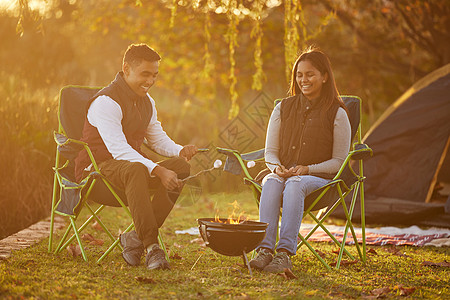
[(249, 156), (346, 172), (68, 147), (62, 140), (235, 162), (361, 152)]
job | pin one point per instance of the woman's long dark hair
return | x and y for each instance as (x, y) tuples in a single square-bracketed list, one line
[(320, 61)]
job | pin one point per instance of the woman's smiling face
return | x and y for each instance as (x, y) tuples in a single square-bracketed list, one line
[(310, 80)]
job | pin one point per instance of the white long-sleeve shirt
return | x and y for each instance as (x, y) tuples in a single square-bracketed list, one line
[(106, 115), (341, 142)]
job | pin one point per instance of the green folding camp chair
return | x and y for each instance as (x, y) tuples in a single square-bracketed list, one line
[(327, 198), (70, 196)]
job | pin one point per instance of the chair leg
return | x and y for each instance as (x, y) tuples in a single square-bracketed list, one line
[(59, 247), (163, 247), (361, 253), (85, 224), (348, 225), (320, 224), (308, 212), (256, 194), (349, 222), (55, 188), (50, 237), (116, 242), (52, 216), (363, 221), (72, 221), (117, 198), (100, 222), (315, 253), (316, 220)]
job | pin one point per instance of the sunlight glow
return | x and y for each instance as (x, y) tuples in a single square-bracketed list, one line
[(8, 5), (13, 6)]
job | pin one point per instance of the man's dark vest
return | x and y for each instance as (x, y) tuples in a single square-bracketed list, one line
[(305, 137), (136, 114)]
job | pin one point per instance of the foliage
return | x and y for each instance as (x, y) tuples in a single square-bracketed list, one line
[(231, 38), (257, 33), (291, 36), (198, 272), (24, 158), (367, 35), (417, 30), (389, 44)]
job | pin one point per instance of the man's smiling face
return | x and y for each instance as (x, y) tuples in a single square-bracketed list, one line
[(141, 76)]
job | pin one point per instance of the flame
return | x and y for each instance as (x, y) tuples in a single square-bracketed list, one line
[(232, 216)]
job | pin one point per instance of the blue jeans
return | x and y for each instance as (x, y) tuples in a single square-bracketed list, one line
[(288, 194)]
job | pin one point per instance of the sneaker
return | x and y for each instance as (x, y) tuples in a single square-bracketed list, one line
[(280, 262), (133, 249), (156, 259), (262, 259)]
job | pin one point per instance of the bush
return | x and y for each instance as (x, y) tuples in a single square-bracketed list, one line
[(26, 155)]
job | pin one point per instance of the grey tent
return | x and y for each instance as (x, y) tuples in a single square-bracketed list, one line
[(410, 142)]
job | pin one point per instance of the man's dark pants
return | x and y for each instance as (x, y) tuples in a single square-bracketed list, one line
[(134, 180)]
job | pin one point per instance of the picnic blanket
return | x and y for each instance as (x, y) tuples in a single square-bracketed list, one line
[(413, 235)]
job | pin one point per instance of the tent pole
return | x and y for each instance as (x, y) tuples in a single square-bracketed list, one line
[(436, 173)]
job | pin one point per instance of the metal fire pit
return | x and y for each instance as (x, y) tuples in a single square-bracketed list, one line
[(232, 239)]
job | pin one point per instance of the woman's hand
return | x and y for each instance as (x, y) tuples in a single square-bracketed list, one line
[(294, 171), (300, 170), (283, 172)]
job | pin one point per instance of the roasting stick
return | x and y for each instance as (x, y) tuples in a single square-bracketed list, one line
[(216, 165)]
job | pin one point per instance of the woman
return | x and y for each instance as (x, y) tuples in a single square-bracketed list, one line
[(308, 138)]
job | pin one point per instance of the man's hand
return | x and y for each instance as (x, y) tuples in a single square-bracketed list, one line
[(168, 178), (188, 152)]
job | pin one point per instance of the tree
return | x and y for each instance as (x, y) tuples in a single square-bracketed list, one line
[(412, 35), (215, 49)]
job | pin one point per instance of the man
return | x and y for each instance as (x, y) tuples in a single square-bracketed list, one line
[(119, 117)]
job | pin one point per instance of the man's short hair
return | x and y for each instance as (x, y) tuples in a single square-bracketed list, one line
[(136, 53)]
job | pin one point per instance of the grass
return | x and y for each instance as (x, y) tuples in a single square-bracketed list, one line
[(198, 272)]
